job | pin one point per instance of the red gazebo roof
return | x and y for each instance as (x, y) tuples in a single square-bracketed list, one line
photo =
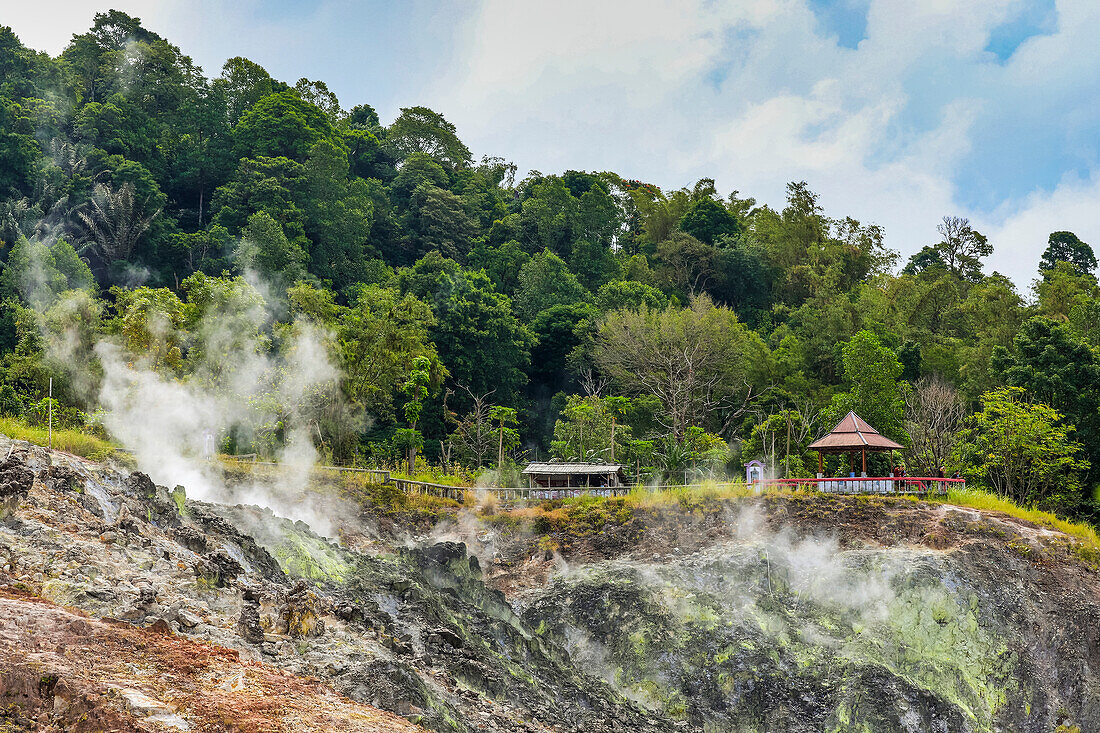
[(853, 434)]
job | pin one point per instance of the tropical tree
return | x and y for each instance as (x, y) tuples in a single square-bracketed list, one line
[(962, 248), (115, 221), (264, 249), (545, 281), (588, 429), (1022, 450), (1066, 247), (416, 391), (421, 130), (1059, 369), (700, 362), (507, 436), (872, 372)]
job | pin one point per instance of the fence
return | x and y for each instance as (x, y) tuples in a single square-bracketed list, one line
[(250, 458), (871, 485), (919, 485)]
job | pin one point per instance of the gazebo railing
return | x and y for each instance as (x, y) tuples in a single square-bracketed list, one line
[(871, 484)]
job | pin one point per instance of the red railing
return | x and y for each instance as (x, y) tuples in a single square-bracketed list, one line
[(870, 484)]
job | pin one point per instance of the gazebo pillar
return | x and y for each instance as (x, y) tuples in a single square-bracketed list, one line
[(820, 465), (864, 462)]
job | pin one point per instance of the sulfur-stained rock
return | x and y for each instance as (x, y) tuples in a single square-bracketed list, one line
[(299, 615), (16, 480)]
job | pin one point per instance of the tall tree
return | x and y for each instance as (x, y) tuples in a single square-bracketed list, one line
[(700, 362), (962, 247), (416, 391), (707, 220), (545, 281), (281, 124), (421, 130), (1066, 247), (872, 372), (1022, 450), (1059, 369)]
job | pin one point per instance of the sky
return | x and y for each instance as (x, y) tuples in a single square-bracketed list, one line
[(896, 112)]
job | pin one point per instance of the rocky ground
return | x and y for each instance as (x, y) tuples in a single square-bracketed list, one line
[(413, 630), (802, 613), (66, 672)]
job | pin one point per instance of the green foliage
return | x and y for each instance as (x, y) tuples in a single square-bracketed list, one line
[(39, 273), (378, 337), (559, 331), (265, 250), (707, 220), (416, 389), (1062, 288), (479, 338), (150, 321), (242, 84), (10, 402), (545, 281), (872, 372), (1059, 369), (628, 294), (700, 362), (696, 454), (589, 430), (507, 437), (1021, 450), (1066, 247), (420, 130), (281, 124)]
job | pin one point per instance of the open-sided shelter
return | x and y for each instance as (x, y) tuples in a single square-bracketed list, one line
[(852, 435), (575, 475)]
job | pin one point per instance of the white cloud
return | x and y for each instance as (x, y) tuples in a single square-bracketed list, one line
[(1020, 229), (47, 25), (756, 94)]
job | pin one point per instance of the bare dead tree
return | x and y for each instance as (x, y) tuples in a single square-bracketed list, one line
[(115, 221), (934, 414), (592, 383), (475, 435)]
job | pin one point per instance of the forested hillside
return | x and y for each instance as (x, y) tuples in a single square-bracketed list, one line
[(374, 289)]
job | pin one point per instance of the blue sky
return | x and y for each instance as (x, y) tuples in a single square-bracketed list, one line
[(895, 112)]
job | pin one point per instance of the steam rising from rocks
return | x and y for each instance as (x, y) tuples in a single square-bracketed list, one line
[(235, 387)]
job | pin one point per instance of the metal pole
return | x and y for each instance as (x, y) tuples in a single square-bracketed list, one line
[(51, 413)]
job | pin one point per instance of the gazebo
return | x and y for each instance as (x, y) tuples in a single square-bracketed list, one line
[(852, 435)]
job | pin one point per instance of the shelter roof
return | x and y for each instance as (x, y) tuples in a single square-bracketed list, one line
[(572, 468), (853, 433)]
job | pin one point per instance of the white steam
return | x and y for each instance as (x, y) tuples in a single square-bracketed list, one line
[(237, 387)]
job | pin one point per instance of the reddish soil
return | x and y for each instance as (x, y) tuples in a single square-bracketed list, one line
[(63, 671)]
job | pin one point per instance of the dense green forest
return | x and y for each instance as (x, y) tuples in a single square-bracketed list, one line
[(474, 316)]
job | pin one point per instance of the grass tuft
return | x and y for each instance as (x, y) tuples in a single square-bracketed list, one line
[(70, 441), (978, 499)]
